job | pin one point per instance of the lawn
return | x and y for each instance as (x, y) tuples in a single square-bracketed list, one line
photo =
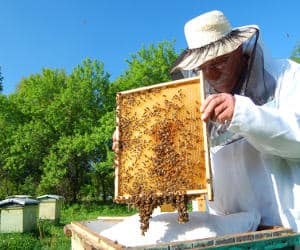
[(50, 235)]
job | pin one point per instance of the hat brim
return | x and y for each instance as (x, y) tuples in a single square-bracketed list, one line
[(190, 59)]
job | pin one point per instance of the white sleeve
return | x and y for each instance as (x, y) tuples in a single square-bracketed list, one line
[(268, 129)]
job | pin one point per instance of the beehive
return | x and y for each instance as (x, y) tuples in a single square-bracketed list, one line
[(18, 215), (50, 206), (162, 149), (89, 235)]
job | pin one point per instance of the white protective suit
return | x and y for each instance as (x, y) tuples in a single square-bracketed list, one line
[(256, 158), (261, 171)]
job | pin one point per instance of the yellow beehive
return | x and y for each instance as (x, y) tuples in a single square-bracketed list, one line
[(162, 141)]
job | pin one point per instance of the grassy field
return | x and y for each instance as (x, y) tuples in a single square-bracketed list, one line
[(50, 235)]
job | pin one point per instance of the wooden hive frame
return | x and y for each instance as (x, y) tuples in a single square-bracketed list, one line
[(158, 125)]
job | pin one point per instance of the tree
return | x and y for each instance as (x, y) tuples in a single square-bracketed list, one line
[(148, 66), (52, 146), (9, 121), (296, 53), (32, 135), (102, 171), (74, 115)]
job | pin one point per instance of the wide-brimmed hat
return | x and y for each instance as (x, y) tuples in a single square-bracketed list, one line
[(208, 36)]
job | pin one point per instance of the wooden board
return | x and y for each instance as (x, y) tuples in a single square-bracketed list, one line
[(162, 141)]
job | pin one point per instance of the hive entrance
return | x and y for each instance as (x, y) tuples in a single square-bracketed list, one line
[(162, 155)]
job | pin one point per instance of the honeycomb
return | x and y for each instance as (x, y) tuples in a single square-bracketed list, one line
[(162, 156)]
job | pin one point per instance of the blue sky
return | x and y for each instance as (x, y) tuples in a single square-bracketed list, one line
[(38, 34)]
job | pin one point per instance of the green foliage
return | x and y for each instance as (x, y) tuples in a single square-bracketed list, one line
[(10, 119), (50, 235), (51, 144), (148, 66), (89, 210), (296, 53), (19, 241)]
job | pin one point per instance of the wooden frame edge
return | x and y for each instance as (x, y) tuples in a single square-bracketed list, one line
[(210, 194)]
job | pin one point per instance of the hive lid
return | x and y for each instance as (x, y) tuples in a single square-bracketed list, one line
[(18, 202), (21, 196), (50, 196)]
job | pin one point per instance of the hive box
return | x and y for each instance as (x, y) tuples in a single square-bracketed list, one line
[(163, 143), (50, 206), (18, 215), (88, 235)]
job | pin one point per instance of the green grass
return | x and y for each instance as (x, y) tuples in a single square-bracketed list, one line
[(50, 235), (92, 210)]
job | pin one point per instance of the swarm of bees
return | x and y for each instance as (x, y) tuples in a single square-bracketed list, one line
[(160, 155), (146, 203)]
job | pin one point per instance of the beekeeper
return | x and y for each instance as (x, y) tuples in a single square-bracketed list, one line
[(253, 112)]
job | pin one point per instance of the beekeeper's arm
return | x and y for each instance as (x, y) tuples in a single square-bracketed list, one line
[(271, 130)]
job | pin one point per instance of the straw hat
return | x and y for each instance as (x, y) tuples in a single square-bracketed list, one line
[(208, 36)]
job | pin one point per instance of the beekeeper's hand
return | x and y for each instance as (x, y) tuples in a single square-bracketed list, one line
[(218, 108)]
